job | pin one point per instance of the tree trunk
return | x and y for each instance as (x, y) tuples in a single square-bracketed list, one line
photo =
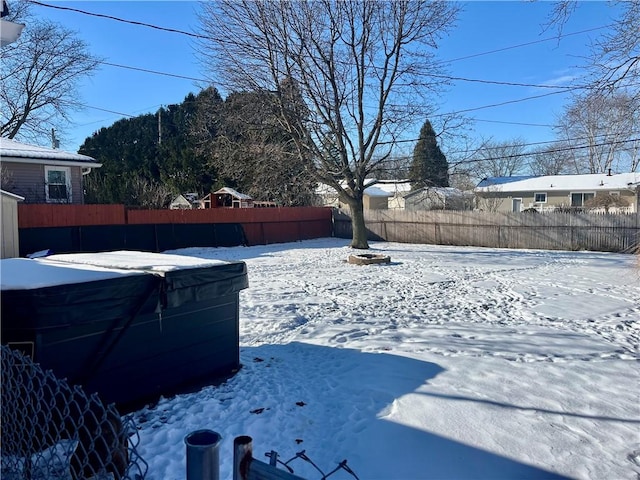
[(359, 238)]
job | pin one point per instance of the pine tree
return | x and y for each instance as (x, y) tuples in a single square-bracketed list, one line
[(429, 167)]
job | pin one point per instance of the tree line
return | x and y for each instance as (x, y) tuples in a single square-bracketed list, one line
[(322, 92), (198, 146)]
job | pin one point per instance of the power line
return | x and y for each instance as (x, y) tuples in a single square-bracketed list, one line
[(155, 72), (516, 123), (547, 39), (496, 82), (555, 150), (117, 19)]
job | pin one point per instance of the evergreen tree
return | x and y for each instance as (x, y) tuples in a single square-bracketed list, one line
[(150, 153), (429, 167)]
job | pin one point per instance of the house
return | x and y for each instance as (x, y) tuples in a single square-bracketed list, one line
[(438, 198), (186, 201), (43, 175), (598, 192), (9, 31), (385, 194), (230, 198)]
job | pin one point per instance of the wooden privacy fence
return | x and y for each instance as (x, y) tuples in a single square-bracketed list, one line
[(551, 231), (260, 225)]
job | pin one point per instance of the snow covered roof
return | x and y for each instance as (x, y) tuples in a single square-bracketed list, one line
[(384, 188), (376, 191), (491, 181), (12, 195), (233, 193), (12, 150), (441, 191), (591, 182)]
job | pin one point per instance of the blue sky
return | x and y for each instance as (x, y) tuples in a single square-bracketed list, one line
[(482, 27)]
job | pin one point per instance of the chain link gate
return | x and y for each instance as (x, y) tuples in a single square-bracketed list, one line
[(53, 431)]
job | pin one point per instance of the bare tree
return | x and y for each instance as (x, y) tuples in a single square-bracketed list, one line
[(615, 56), (499, 159), (39, 79), (602, 132), (552, 160), (491, 199), (361, 67)]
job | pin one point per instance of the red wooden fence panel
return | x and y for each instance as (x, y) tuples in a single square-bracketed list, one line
[(48, 215), (261, 225)]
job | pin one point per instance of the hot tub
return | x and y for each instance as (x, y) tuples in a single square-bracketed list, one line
[(129, 325)]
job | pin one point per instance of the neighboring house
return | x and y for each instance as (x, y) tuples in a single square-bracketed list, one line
[(9, 31), (186, 201), (43, 175), (598, 192), (386, 194), (230, 198), (10, 239), (438, 198)]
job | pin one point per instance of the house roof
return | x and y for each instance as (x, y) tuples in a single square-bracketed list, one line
[(441, 191), (491, 181), (550, 183), (233, 193), (12, 195), (181, 199), (384, 188), (14, 151)]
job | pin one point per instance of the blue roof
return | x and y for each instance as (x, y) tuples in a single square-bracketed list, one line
[(488, 182)]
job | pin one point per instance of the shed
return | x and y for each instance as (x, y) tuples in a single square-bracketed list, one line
[(185, 201), (228, 197), (376, 198), (129, 325), (10, 236)]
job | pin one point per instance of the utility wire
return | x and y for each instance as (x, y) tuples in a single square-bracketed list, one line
[(447, 77), (547, 39), (524, 154), (117, 19), (195, 35)]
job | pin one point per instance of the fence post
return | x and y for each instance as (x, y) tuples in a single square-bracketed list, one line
[(242, 456), (203, 456)]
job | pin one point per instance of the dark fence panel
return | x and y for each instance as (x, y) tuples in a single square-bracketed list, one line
[(57, 239), (151, 238), (141, 238)]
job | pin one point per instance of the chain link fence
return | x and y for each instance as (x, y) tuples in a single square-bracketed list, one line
[(53, 431)]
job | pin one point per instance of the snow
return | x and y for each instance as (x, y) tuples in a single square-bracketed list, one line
[(590, 182), (157, 263), (13, 148), (448, 363), (71, 268), (28, 274)]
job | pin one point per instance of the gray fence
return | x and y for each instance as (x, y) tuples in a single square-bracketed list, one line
[(53, 431), (549, 231)]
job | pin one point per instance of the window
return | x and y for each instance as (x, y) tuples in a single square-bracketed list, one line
[(57, 184), (540, 198), (579, 199)]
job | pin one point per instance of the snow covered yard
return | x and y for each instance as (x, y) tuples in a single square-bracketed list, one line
[(448, 363)]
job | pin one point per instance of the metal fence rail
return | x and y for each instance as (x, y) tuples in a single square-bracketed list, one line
[(51, 430), (246, 467)]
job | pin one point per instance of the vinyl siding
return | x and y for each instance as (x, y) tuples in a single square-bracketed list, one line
[(28, 181)]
